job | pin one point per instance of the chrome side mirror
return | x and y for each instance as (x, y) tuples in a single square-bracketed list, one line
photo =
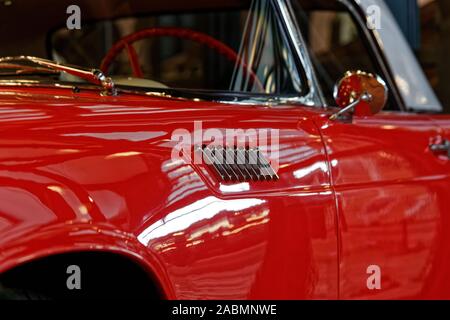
[(361, 93)]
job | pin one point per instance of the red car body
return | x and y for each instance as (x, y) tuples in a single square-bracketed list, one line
[(76, 177), (80, 172)]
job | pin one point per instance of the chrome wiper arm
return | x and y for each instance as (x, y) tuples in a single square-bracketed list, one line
[(23, 69), (94, 76)]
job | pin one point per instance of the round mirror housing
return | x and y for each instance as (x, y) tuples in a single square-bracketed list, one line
[(363, 93)]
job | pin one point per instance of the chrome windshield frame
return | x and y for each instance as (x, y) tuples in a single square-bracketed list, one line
[(315, 95)]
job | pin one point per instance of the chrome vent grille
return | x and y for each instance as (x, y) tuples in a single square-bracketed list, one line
[(238, 164)]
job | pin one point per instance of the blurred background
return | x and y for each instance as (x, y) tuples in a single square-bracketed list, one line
[(426, 24)]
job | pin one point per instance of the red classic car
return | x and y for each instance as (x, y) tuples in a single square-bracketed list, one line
[(118, 120)]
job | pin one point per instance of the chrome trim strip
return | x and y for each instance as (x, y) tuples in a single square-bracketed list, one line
[(177, 94)]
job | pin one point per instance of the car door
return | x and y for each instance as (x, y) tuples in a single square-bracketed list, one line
[(391, 188), (392, 195), (439, 276)]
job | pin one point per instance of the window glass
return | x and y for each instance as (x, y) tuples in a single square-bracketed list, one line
[(261, 60), (335, 41)]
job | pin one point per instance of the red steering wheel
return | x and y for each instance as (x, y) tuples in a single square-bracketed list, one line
[(126, 43)]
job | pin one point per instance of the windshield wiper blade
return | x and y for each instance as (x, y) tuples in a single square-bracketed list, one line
[(94, 76)]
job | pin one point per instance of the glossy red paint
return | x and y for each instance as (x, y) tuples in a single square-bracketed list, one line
[(392, 194), (84, 172), (80, 172)]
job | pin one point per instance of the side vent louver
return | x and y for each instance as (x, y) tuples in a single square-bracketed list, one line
[(238, 164)]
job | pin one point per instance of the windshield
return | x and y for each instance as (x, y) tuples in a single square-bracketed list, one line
[(236, 46)]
